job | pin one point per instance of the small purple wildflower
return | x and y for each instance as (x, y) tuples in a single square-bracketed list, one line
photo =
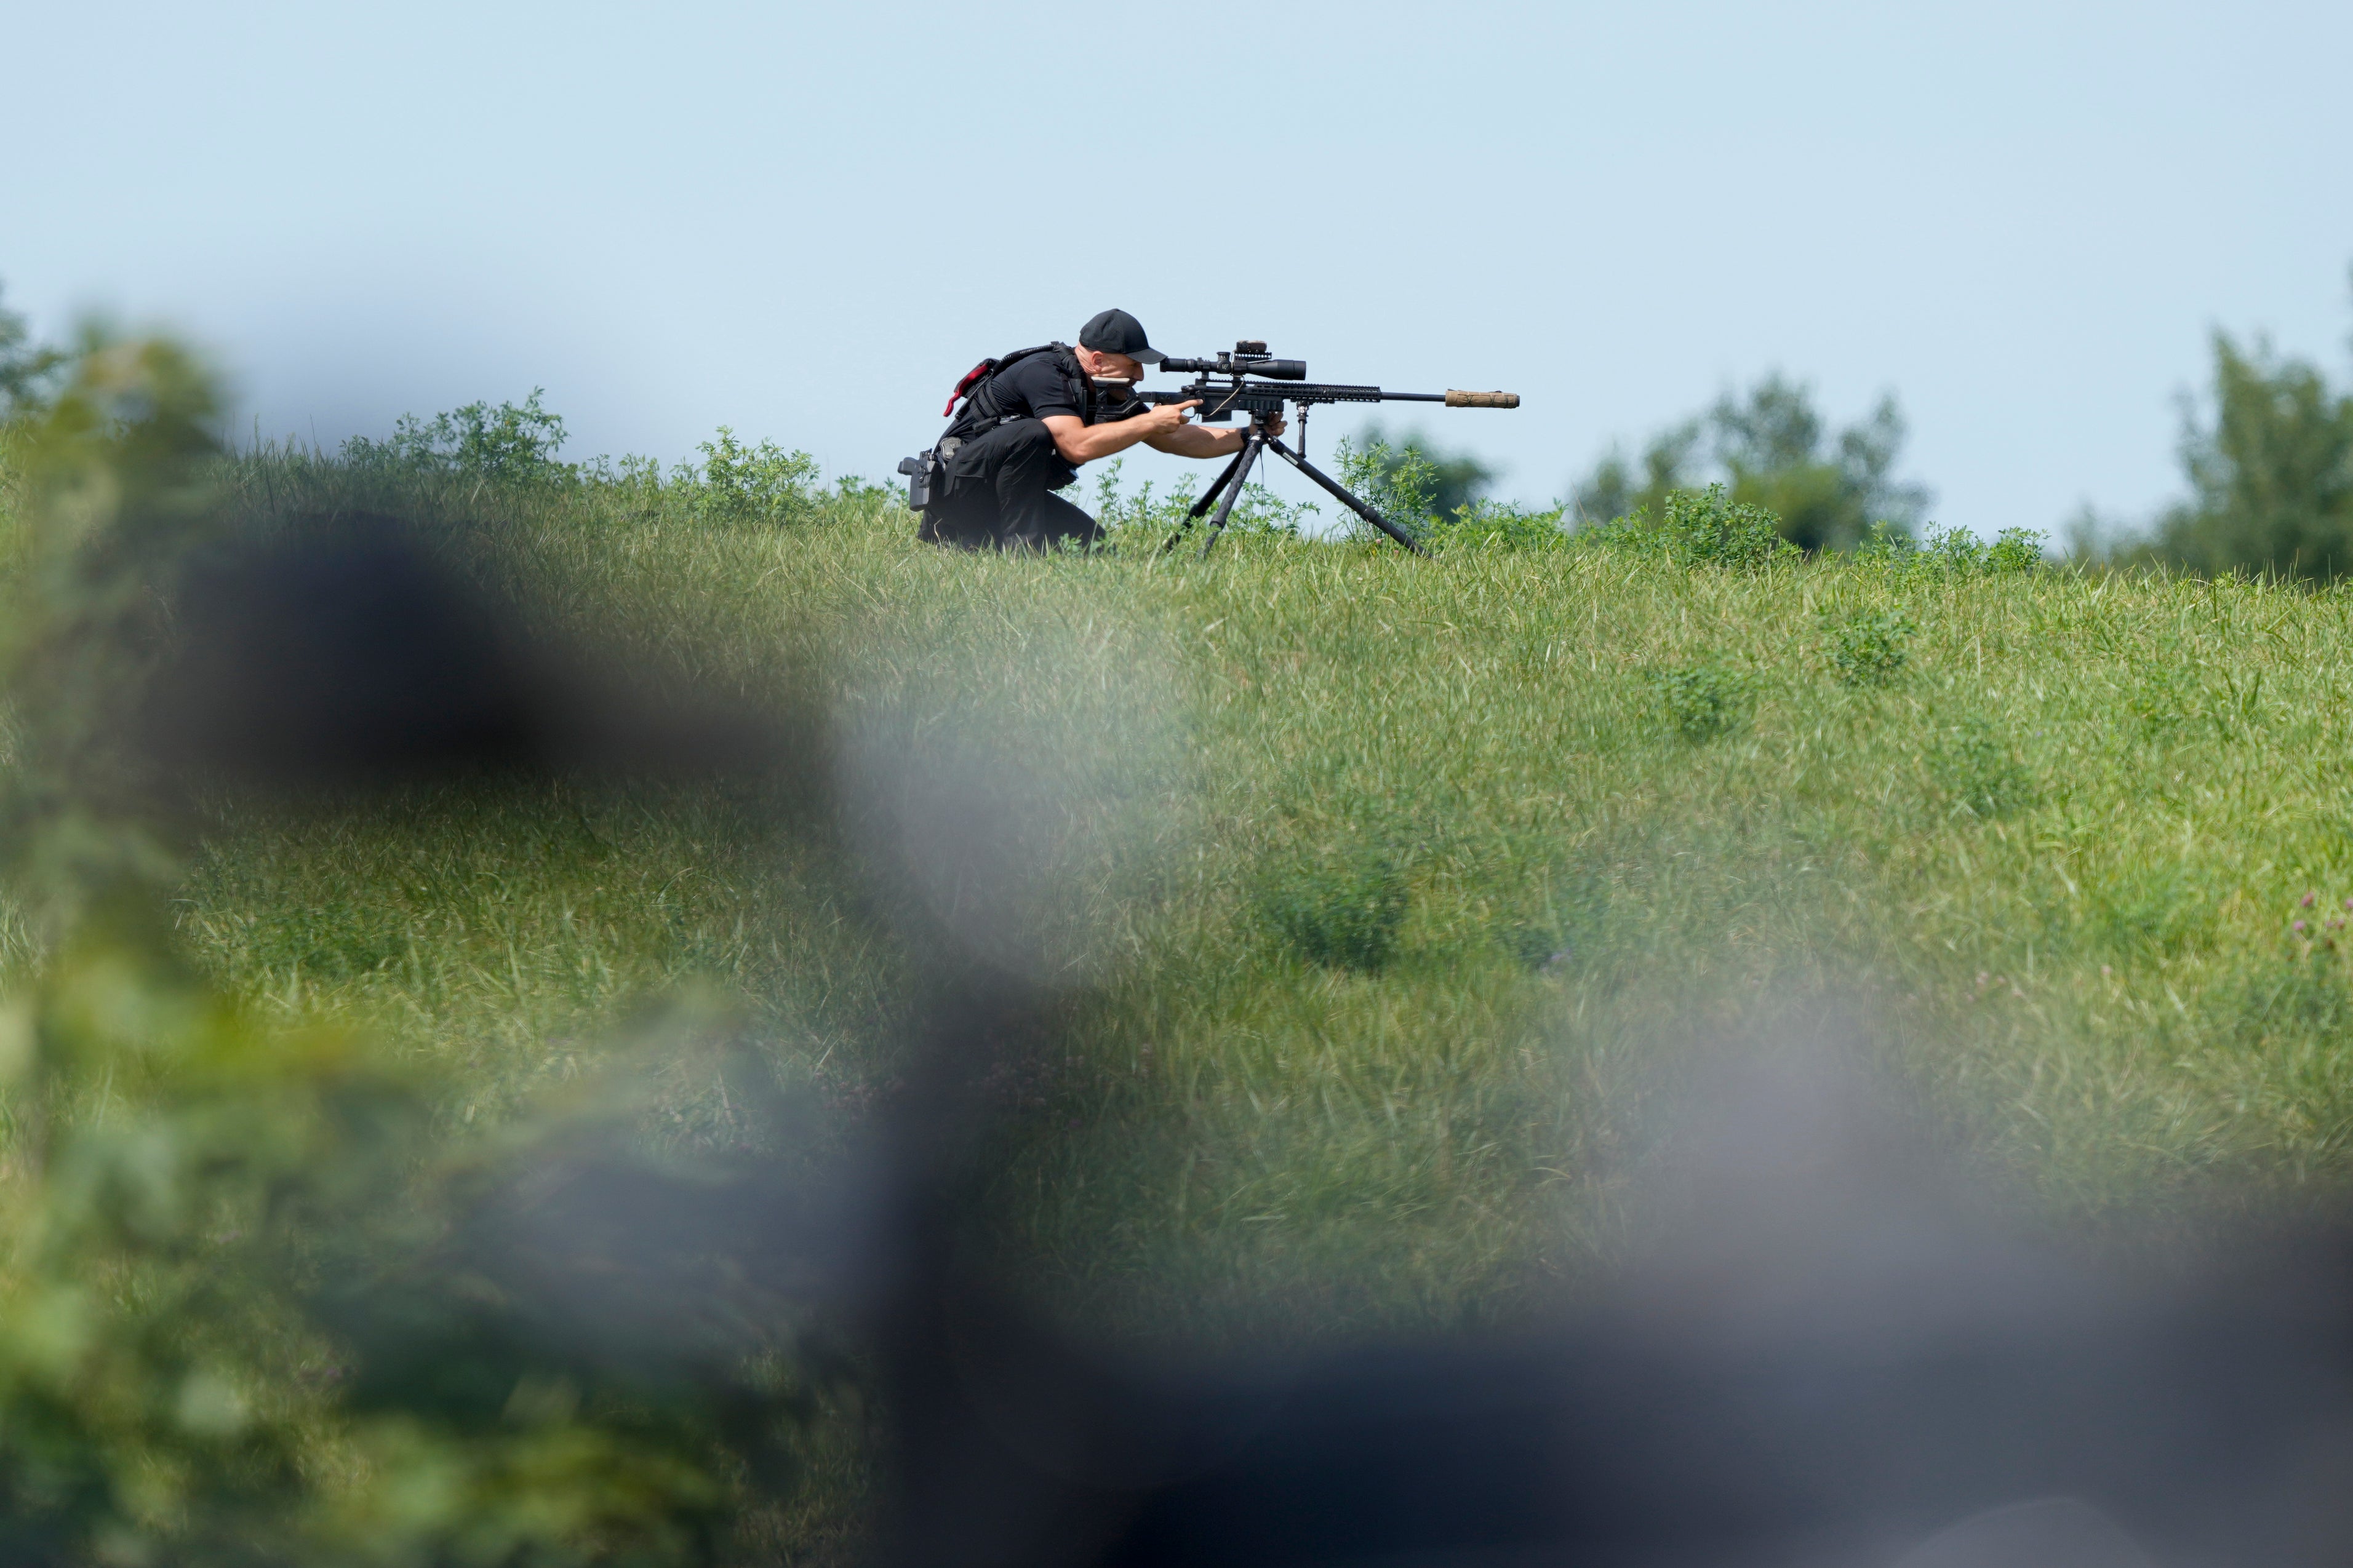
[(2299, 928), (2308, 901)]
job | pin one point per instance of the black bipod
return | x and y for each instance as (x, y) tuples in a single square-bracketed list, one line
[(1228, 490)]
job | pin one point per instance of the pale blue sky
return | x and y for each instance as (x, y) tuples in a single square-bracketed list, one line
[(805, 221)]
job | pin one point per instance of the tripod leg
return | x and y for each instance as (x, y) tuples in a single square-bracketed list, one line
[(1208, 499), (1239, 473), (1347, 500), (1225, 476)]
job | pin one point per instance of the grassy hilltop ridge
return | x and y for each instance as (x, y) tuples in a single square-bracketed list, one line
[(1391, 892)]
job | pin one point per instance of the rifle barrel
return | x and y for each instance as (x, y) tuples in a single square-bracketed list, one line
[(1230, 394)]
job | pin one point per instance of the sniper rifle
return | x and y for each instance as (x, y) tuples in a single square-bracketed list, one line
[(1253, 384)]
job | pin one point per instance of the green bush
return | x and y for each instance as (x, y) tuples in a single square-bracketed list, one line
[(1868, 647), (1950, 552), (1712, 527), (1699, 702), (2015, 549), (735, 483), (1701, 527), (512, 444)]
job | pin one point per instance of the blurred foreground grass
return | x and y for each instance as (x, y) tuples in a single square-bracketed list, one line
[(1399, 888)]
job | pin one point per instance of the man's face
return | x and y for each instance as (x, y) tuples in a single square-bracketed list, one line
[(1114, 367)]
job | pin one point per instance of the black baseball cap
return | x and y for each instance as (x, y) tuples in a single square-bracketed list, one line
[(1117, 333)]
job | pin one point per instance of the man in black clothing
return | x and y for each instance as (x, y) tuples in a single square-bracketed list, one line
[(1033, 422)]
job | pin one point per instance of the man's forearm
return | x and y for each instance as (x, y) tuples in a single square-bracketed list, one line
[(1088, 442), (1192, 441)]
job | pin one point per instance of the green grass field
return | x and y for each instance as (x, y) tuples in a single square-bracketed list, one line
[(1397, 889), (2055, 856)]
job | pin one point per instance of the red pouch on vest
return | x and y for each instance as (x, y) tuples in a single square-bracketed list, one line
[(971, 377)]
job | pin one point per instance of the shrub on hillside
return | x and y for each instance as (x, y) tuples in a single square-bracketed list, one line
[(1950, 552), (506, 444), (1869, 647), (514, 446), (1453, 479), (735, 483), (1695, 526), (1401, 484), (1701, 702), (1714, 526), (2015, 549)]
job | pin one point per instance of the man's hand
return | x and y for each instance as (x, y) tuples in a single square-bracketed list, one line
[(1165, 417), (1157, 427), (1193, 441), (1164, 427)]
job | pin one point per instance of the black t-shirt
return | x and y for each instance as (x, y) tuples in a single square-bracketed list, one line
[(1036, 388)]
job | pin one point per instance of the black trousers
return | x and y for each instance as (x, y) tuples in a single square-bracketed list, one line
[(1000, 493)]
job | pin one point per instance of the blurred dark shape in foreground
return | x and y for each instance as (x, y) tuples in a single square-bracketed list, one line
[(2055, 1532), (593, 1351), (343, 651), (1823, 1359)]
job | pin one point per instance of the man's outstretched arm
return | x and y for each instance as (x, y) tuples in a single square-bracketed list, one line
[(1162, 429), (1080, 442), (1193, 441)]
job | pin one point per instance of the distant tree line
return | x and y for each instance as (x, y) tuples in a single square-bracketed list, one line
[(2267, 454), (1771, 449), (25, 367), (2269, 458)]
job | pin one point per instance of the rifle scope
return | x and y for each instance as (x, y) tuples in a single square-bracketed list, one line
[(1249, 358)]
